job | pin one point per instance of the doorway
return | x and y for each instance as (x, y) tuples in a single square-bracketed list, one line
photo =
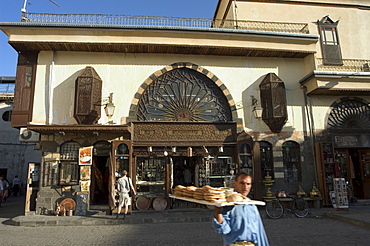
[(186, 170), (32, 187), (361, 172), (100, 180)]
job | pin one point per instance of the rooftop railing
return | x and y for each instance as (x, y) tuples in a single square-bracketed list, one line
[(7, 87), (134, 20)]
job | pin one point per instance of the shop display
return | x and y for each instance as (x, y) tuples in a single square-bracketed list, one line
[(85, 173), (85, 185), (81, 203), (160, 203), (340, 191), (143, 203), (150, 177), (219, 171), (85, 156)]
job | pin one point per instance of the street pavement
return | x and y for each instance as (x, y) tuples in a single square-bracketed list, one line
[(325, 226)]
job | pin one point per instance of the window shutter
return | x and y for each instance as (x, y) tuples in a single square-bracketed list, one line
[(330, 46), (24, 88)]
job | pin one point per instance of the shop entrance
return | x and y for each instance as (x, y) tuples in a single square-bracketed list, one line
[(99, 173), (186, 170), (361, 172), (99, 180)]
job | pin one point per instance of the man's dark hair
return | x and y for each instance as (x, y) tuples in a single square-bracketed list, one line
[(243, 174)]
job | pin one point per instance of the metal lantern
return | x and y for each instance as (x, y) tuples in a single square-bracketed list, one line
[(273, 102), (88, 96)]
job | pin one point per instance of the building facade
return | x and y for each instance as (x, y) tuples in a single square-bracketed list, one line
[(19, 151), (275, 88)]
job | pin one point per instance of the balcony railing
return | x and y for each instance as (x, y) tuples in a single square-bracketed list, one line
[(349, 65), (133, 20)]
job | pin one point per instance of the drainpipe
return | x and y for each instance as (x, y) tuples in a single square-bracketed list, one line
[(49, 89), (311, 126), (236, 14)]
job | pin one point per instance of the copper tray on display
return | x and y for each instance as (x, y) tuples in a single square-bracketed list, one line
[(143, 203), (68, 204), (218, 204), (160, 203)]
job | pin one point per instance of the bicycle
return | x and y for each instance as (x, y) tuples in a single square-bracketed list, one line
[(275, 208)]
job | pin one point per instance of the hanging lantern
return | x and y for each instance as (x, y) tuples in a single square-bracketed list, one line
[(273, 102)]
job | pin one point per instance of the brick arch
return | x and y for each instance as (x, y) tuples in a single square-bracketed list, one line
[(155, 75)]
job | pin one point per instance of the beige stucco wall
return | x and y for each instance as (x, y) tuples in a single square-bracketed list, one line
[(353, 35), (123, 74)]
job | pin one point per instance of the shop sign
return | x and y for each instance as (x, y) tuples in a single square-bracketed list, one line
[(349, 141), (85, 155)]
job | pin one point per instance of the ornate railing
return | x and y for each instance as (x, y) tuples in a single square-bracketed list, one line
[(134, 20), (349, 65)]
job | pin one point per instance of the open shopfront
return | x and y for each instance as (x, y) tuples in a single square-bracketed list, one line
[(168, 154), (346, 157)]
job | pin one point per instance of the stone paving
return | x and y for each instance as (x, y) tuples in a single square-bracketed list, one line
[(317, 229)]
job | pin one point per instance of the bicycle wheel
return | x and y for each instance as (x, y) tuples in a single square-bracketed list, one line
[(301, 210), (274, 209)]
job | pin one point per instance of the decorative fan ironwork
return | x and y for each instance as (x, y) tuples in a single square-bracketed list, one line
[(350, 114), (183, 95)]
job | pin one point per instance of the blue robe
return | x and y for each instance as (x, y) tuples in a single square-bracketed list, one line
[(241, 223)]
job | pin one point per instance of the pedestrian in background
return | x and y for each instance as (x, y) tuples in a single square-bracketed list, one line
[(6, 188), (124, 187), (16, 185), (240, 224), (1, 189)]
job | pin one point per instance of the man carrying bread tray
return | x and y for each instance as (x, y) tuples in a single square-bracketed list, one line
[(240, 224)]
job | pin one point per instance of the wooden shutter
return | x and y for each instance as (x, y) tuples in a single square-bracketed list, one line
[(24, 88)]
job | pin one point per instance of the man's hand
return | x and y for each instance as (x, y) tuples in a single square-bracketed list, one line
[(218, 215)]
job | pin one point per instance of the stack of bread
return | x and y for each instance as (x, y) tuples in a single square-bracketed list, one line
[(189, 191), (209, 193), (199, 194), (179, 190), (212, 194)]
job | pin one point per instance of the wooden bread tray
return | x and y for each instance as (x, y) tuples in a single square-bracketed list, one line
[(218, 204)]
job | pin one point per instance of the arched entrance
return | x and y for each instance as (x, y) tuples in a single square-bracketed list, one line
[(184, 130), (349, 126)]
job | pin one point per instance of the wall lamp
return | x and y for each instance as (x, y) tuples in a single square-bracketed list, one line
[(257, 109), (109, 108)]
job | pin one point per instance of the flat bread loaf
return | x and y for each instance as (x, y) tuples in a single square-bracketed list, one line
[(236, 197)]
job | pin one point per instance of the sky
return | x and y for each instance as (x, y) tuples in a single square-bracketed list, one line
[(10, 11)]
